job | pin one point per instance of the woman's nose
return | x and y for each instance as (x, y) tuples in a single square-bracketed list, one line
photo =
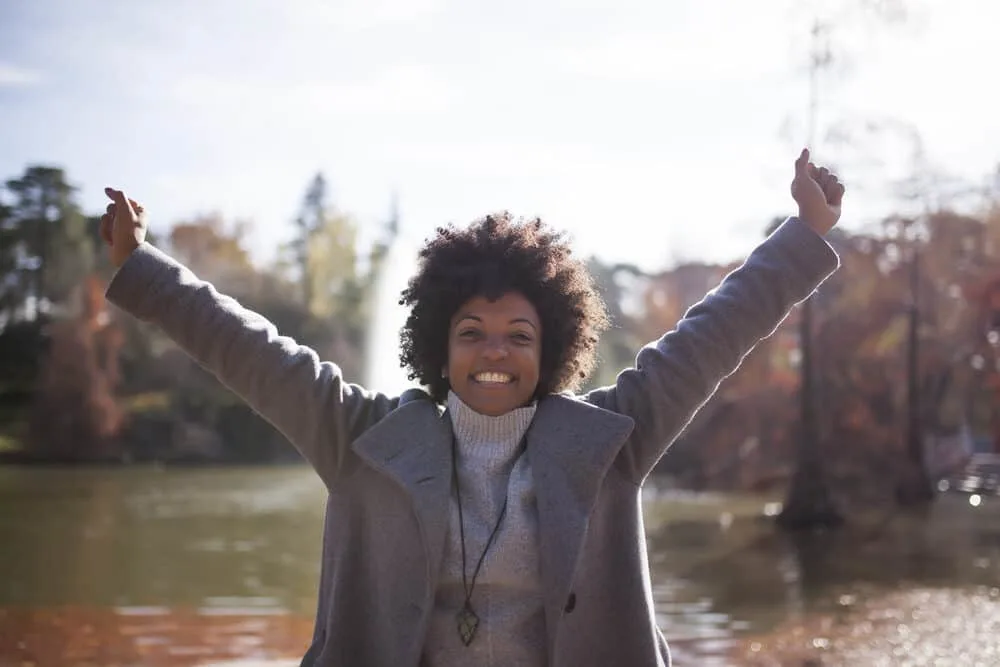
[(495, 349)]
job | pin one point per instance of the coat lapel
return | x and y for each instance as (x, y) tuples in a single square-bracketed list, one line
[(572, 444), (412, 445)]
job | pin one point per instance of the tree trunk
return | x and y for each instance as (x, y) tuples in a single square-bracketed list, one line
[(808, 504), (914, 486)]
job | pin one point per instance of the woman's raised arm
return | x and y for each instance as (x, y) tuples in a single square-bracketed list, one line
[(286, 383)]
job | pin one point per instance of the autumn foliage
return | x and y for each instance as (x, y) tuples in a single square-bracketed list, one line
[(745, 436), (102, 386), (76, 414)]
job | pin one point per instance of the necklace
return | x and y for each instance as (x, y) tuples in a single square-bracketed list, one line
[(466, 619)]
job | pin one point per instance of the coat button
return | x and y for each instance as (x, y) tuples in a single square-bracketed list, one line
[(570, 603)]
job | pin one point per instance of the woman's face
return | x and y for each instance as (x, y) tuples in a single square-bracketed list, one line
[(494, 353)]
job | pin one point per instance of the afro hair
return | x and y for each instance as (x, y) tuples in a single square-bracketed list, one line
[(493, 256)]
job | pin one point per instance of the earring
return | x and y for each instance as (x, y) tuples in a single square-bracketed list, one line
[(444, 372)]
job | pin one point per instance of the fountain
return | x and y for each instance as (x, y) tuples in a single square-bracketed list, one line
[(382, 369)]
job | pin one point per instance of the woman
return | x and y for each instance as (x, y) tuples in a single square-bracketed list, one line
[(495, 518)]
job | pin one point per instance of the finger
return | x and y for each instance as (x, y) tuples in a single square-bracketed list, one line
[(830, 190), (119, 198), (106, 229), (136, 206), (836, 194), (802, 163), (110, 208)]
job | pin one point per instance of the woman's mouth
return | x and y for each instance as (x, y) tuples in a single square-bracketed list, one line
[(493, 378)]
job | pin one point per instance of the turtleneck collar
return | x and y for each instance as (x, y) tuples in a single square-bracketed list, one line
[(482, 436)]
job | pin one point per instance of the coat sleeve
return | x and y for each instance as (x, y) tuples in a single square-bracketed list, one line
[(675, 375), (307, 400)]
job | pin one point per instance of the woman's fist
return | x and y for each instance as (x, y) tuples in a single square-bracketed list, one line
[(123, 226), (818, 193)]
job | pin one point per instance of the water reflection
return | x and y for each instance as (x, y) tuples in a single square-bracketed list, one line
[(147, 636), (227, 538), (719, 583), (183, 567)]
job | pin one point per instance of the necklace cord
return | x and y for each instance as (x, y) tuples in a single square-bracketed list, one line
[(461, 519)]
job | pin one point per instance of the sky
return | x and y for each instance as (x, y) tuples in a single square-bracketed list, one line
[(651, 131)]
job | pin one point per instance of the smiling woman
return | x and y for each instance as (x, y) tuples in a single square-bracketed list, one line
[(504, 297), (494, 348), (493, 519)]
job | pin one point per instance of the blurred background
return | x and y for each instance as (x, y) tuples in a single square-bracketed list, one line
[(834, 503)]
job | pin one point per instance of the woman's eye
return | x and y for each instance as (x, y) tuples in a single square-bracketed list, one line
[(468, 333), (521, 338)]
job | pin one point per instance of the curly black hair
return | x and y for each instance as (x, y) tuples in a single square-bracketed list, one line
[(491, 257)]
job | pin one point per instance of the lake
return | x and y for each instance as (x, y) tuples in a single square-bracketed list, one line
[(184, 567)]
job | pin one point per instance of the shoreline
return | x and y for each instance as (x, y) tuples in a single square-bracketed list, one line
[(18, 459)]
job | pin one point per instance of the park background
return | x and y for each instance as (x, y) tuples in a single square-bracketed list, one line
[(296, 155)]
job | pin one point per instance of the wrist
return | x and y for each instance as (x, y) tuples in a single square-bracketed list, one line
[(120, 255), (819, 223)]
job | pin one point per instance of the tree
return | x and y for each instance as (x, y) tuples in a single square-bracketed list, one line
[(45, 252), (11, 279), (808, 503), (617, 347), (75, 415), (324, 259), (310, 220), (215, 251), (45, 249)]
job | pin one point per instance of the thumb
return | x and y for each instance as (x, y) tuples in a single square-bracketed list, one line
[(802, 164), (121, 201)]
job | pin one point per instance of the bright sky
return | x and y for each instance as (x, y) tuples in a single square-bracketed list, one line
[(652, 130)]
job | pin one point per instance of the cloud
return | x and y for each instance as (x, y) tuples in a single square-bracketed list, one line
[(639, 56), (400, 88), (12, 75), (364, 14), (396, 89), (688, 42)]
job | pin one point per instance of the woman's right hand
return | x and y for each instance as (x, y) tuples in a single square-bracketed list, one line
[(123, 226)]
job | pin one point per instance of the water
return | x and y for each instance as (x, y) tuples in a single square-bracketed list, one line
[(175, 567)]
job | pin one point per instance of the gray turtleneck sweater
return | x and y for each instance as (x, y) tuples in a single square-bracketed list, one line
[(507, 594)]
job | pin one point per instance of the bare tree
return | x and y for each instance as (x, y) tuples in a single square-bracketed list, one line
[(808, 503)]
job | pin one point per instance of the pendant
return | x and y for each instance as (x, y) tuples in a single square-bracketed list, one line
[(468, 623)]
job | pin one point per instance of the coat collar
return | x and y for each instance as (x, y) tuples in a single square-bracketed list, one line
[(412, 444), (571, 446)]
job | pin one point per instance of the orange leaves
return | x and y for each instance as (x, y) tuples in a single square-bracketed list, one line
[(75, 415)]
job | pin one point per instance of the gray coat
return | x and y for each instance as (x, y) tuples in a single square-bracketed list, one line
[(386, 460)]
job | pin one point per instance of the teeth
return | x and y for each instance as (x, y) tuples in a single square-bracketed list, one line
[(499, 378)]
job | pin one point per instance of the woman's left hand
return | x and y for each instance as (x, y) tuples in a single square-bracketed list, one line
[(818, 193)]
